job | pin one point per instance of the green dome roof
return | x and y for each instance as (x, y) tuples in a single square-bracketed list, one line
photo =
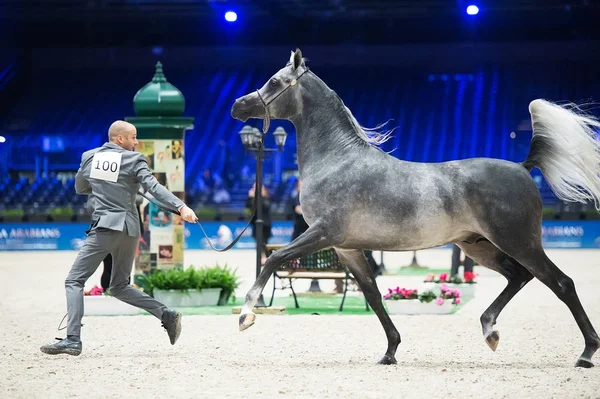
[(159, 97)]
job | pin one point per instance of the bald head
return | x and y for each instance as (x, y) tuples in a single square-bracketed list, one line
[(119, 128), (123, 134)]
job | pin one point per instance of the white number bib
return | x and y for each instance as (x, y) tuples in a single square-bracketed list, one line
[(106, 166)]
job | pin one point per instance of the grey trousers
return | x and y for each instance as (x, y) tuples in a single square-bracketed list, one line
[(98, 244)]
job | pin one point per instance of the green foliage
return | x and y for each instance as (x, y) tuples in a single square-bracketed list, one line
[(548, 213), (192, 278), (206, 213), (227, 278), (13, 212), (427, 296), (172, 279), (61, 212)]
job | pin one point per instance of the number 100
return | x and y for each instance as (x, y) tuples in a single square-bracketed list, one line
[(106, 166)]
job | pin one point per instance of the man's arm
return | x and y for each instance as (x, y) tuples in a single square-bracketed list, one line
[(158, 191), (82, 185)]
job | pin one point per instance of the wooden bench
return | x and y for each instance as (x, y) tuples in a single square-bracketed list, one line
[(323, 264)]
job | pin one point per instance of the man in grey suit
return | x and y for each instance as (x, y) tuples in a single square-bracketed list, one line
[(112, 174)]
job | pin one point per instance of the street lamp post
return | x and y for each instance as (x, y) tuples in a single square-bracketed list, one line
[(252, 140)]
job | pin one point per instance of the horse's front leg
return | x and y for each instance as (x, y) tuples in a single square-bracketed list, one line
[(312, 240)]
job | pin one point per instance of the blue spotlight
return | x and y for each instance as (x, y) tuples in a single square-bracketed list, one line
[(230, 16), (472, 10)]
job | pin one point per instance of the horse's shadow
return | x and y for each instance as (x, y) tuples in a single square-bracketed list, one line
[(423, 364), (470, 364)]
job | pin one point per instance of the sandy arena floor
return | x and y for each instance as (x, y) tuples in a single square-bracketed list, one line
[(297, 356)]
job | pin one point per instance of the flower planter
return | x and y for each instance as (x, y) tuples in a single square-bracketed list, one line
[(106, 305), (467, 291), (414, 307), (183, 298), (403, 306)]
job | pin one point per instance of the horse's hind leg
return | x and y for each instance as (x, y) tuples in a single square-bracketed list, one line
[(356, 262), (491, 257), (525, 246), (538, 263)]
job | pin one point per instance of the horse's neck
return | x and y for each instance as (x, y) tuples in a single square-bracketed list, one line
[(324, 128)]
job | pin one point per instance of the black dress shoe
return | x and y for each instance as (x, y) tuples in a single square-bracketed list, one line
[(171, 321), (66, 346)]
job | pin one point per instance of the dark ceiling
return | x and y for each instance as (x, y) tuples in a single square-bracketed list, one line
[(292, 22)]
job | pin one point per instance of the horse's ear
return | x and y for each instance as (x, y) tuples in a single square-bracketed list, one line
[(297, 59)]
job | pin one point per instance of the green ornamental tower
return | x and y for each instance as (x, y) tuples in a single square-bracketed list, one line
[(161, 126)]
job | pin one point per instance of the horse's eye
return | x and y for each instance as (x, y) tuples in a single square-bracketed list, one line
[(273, 82)]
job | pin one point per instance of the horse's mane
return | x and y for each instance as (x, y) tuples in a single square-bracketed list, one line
[(371, 136)]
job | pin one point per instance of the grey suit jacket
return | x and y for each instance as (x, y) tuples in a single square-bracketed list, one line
[(114, 202)]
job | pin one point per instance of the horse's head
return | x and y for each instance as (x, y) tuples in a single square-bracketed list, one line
[(279, 98)]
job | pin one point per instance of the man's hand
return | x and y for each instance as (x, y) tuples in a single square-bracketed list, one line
[(187, 214)]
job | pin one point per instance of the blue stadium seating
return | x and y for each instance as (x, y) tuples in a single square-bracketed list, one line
[(436, 117)]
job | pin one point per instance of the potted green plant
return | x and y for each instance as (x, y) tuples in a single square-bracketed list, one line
[(220, 277), (182, 287)]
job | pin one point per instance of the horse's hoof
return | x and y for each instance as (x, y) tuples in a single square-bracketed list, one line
[(247, 320), (387, 360), (492, 340), (584, 363)]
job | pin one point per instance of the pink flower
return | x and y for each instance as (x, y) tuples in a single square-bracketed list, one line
[(444, 287), (430, 277), (397, 290), (95, 290), (390, 291), (443, 276), (457, 301), (440, 301)]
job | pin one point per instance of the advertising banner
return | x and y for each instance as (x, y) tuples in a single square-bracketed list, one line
[(169, 235), (42, 236)]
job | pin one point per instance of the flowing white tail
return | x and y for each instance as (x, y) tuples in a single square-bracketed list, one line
[(566, 148)]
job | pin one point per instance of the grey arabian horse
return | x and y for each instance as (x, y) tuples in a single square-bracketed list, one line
[(355, 197)]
